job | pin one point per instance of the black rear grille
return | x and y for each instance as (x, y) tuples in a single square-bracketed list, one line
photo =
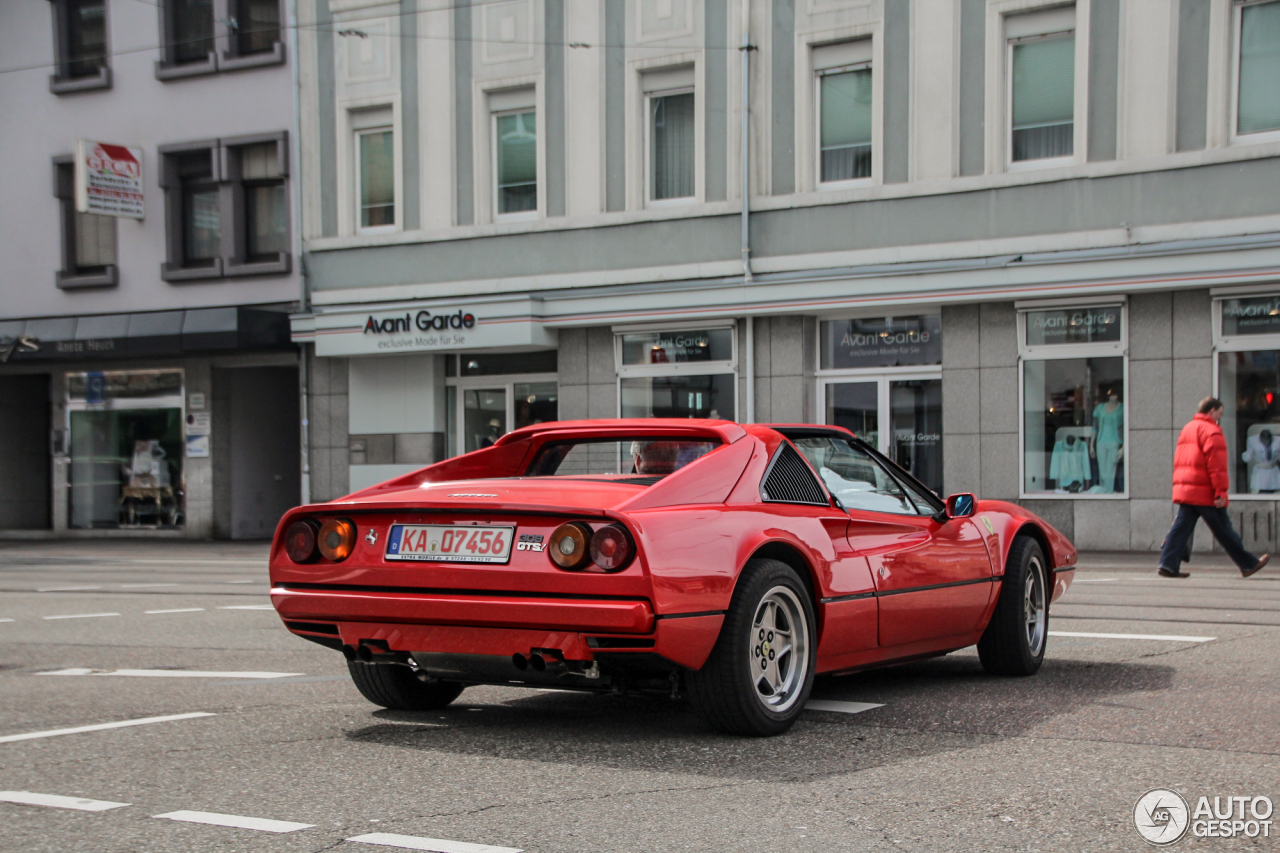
[(313, 627), (790, 481)]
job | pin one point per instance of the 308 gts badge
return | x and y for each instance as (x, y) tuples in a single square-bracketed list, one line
[(530, 542)]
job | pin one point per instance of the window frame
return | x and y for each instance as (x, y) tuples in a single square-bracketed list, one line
[(518, 215), (358, 176), (1237, 34), (721, 367), (232, 260), (61, 82), (818, 74), (1011, 164), (225, 55), (647, 99), (70, 277), (1223, 344), (504, 382), (1060, 352)]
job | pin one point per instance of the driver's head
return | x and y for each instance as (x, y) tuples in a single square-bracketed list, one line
[(655, 457)]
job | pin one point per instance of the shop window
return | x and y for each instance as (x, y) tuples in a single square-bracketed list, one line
[(1248, 383), (207, 36), (1074, 416), (844, 96), (1258, 96), (670, 127), (1041, 73), (80, 46), (126, 449), (880, 378), (226, 208), (497, 393), (88, 239), (688, 373), (516, 161)]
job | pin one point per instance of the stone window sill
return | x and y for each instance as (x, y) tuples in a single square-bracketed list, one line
[(281, 266), (72, 281), (174, 272), (71, 85)]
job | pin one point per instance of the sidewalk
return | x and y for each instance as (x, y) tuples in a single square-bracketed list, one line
[(1141, 562)]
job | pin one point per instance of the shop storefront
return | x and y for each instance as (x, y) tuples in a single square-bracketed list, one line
[(1247, 351), (151, 423)]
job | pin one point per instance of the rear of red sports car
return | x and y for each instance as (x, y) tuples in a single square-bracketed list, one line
[(517, 577)]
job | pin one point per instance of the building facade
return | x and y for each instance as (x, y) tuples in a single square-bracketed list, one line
[(139, 352), (1011, 242)]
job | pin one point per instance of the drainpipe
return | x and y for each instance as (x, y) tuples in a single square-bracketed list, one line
[(304, 294), (745, 50)]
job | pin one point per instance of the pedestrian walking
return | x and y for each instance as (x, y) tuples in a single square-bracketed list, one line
[(1200, 485)]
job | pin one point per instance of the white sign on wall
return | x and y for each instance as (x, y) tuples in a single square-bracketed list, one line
[(108, 179), (436, 329)]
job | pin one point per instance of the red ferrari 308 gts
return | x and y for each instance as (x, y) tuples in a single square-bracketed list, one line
[(727, 563)]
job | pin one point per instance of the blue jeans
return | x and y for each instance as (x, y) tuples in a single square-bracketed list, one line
[(1177, 544)]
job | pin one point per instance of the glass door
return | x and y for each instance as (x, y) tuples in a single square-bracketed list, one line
[(484, 417), (899, 415)]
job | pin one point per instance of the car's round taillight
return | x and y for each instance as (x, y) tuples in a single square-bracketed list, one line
[(337, 539), (611, 548), (300, 541), (568, 548)]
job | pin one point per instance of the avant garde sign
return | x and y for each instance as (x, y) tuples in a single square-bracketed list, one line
[(1254, 315), (423, 321), (436, 329), (882, 341), (108, 179), (1084, 325)]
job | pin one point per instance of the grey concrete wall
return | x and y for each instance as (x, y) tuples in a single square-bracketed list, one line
[(24, 452), (587, 374), (897, 91), (782, 107), (1193, 74), (327, 425), (973, 85), (785, 357), (1211, 192), (1104, 69)]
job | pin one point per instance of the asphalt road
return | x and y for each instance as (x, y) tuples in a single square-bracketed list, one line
[(950, 760)]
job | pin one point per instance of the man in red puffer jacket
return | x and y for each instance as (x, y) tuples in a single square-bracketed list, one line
[(1200, 487)]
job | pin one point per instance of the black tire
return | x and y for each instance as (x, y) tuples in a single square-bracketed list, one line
[(727, 689), (1013, 644), (398, 688)]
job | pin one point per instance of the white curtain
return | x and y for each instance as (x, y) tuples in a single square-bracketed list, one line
[(671, 146), (1044, 98)]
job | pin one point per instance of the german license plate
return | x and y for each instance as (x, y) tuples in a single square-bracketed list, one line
[(447, 543)]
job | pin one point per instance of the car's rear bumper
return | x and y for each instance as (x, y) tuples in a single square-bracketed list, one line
[(473, 624)]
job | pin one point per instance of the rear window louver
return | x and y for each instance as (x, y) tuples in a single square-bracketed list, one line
[(790, 481)]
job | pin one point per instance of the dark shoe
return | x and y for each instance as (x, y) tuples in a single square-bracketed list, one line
[(1262, 561), (1165, 573)]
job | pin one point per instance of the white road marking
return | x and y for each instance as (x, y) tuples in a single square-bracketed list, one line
[(249, 607), (171, 673), (178, 610), (1094, 580), (143, 585), (238, 821), (81, 616), (437, 845), (1172, 637), (239, 581), (840, 707), (6, 620), (143, 721), (80, 804), (65, 588)]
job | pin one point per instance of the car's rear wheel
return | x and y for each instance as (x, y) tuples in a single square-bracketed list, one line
[(1014, 641), (760, 672), (398, 687)]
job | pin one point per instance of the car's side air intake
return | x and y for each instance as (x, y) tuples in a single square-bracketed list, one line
[(789, 480)]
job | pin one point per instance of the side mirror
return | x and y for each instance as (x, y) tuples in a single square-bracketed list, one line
[(960, 505)]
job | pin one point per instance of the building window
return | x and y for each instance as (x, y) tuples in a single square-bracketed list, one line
[(1041, 87), (227, 211), (126, 449), (80, 46), (844, 101), (206, 36), (678, 373), (516, 161), (376, 179), (880, 377), (88, 239), (671, 146), (1258, 104), (1248, 383), (1074, 421)]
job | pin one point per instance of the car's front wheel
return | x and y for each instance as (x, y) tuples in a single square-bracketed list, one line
[(398, 688), (759, 674), (1014, 641)]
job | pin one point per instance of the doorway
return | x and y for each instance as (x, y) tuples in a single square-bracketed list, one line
[(899, 414), (256, 432)]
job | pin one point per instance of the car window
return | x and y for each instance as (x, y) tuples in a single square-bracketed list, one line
[(647, 456), (854, 477)]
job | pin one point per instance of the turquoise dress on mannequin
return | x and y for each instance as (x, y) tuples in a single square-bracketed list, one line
[(1108, 440)]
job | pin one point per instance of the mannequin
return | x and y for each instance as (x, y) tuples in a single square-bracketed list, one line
[(1107, 444), (1264, 452)]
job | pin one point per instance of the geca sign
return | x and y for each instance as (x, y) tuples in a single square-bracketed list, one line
[(108, 179)]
